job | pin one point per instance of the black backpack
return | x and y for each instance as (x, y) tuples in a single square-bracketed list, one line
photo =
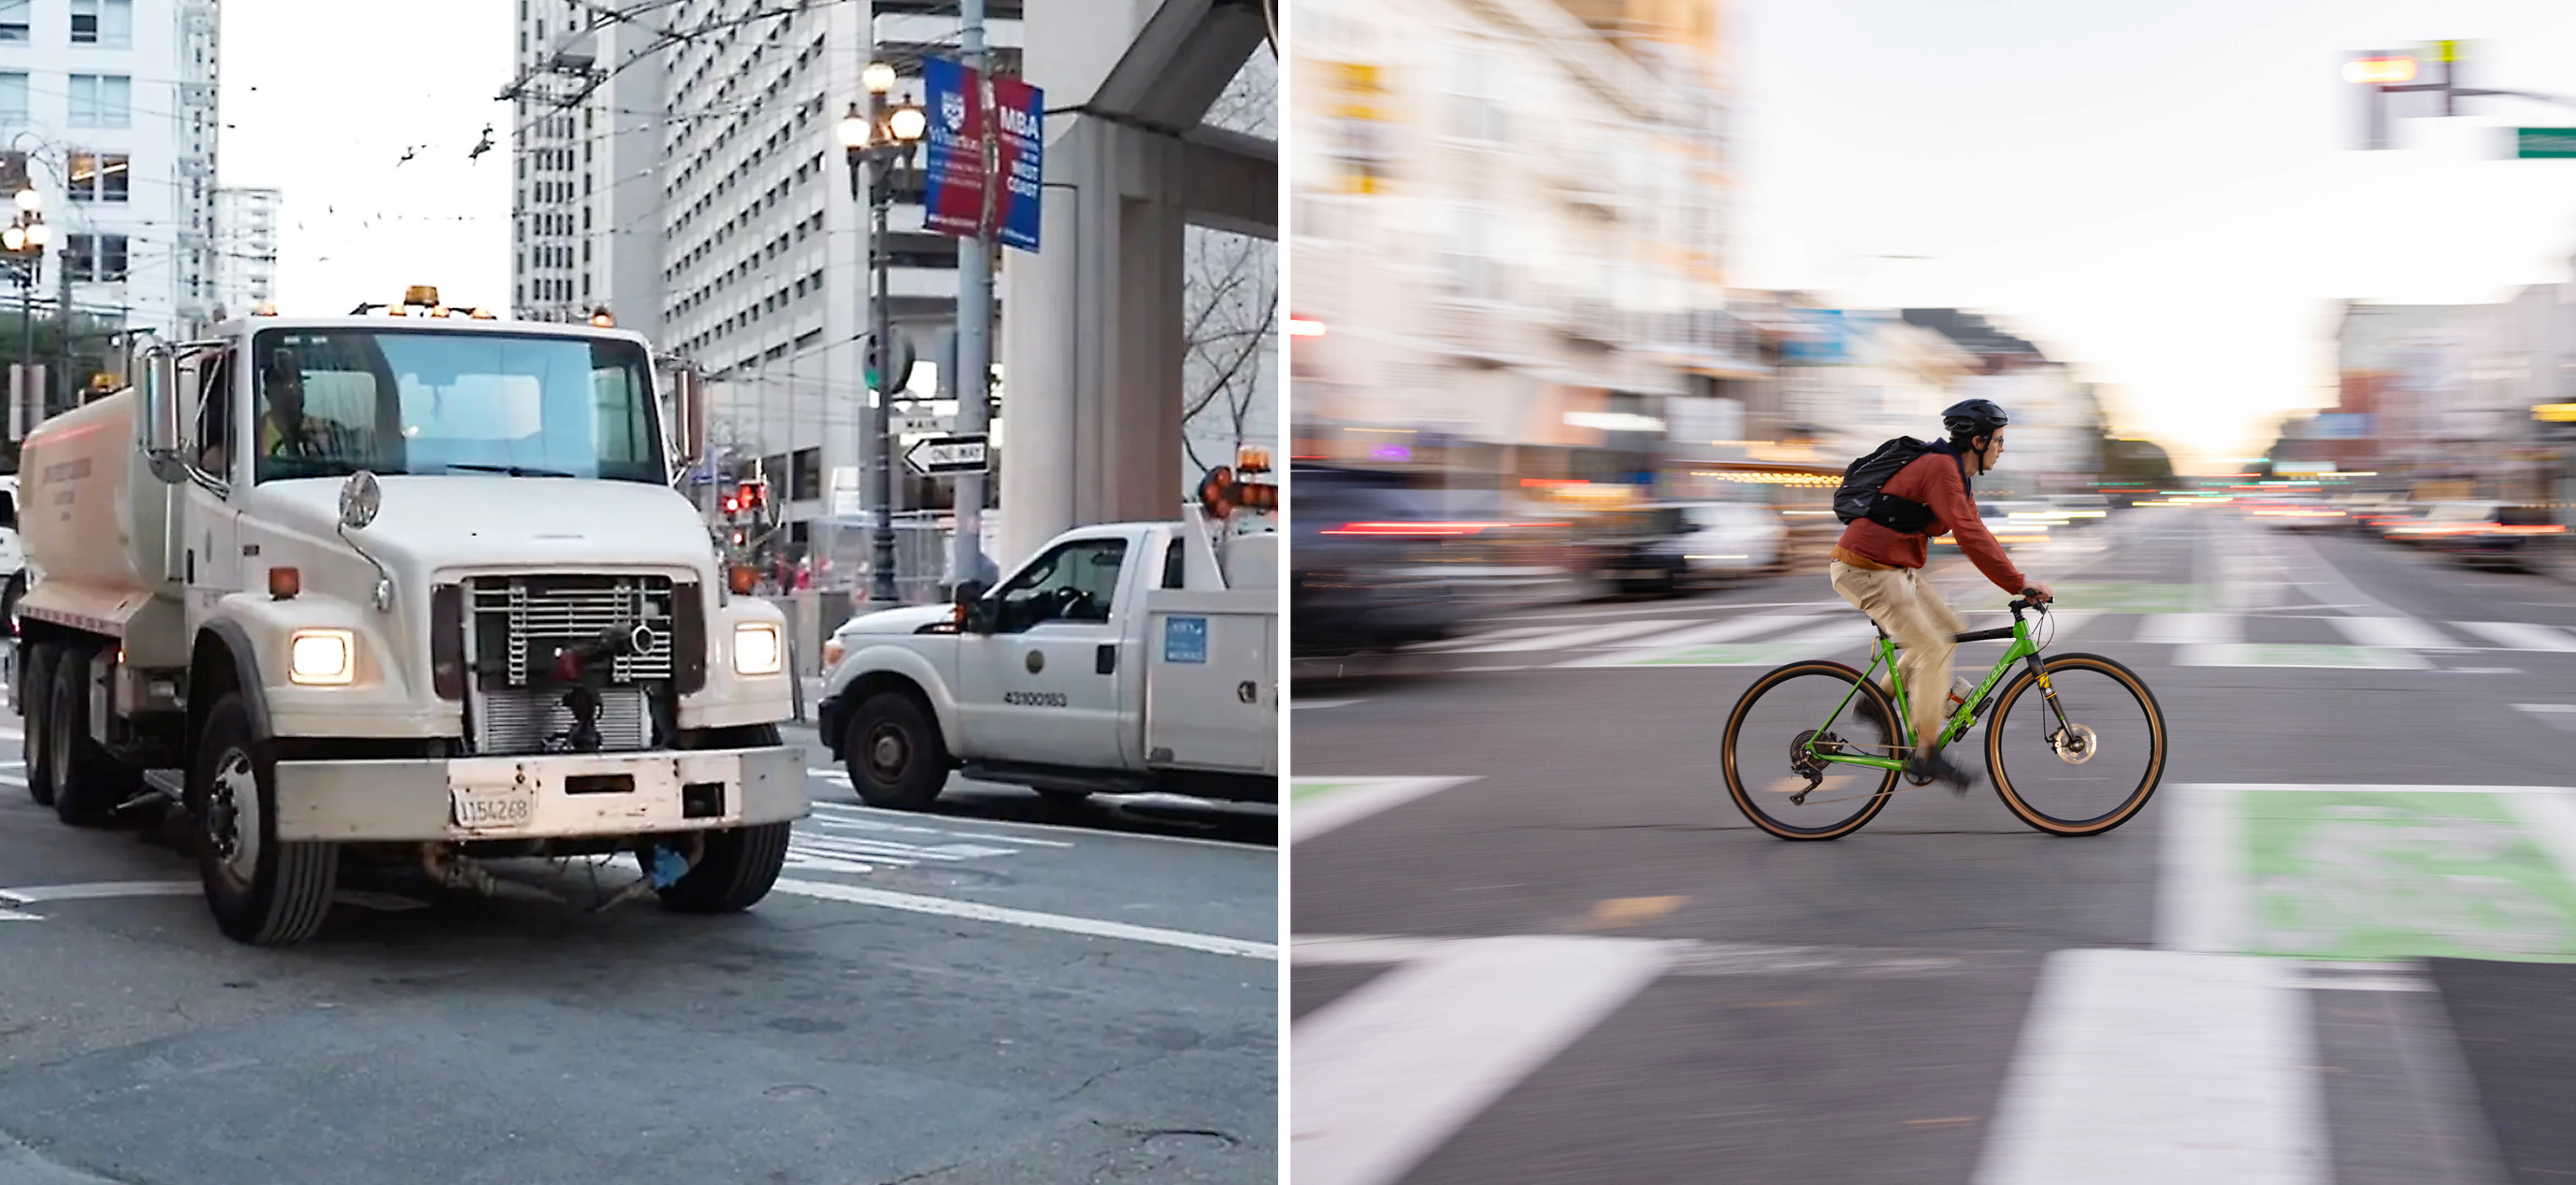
[(1860, 497)]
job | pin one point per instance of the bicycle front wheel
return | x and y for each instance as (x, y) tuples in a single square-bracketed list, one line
[(1773, 775), (2085, 764)]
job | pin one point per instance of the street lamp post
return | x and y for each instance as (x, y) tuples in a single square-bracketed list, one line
[(23, 241), (875, 142)]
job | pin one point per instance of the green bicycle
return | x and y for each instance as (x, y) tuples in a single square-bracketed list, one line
[(1814, 749)]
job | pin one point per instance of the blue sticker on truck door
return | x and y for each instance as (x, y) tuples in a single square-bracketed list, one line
[(1185, 639)]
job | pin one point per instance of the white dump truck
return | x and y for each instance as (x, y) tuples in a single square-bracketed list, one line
[(409, 586), (13, 556), (1122, 658)]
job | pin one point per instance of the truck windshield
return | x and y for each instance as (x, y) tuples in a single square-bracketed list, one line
[(334, 401)]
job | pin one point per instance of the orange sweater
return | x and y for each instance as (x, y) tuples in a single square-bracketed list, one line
[(1933, 480)]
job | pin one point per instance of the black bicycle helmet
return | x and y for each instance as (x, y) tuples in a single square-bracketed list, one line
[(1973, 417)]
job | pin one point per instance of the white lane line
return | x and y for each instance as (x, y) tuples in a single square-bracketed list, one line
[(1569, 639), (2203, 902), (848, 815), (2401, 633), (1720, 631), (1360, 798), (2550, 821), (2191, 629), (1064, 923), (1525, 631), (1686, 956), (1853, 630), (2520, 635), (1388, 1073), (100, 890), (2162, 1066), (1321, 703), (842, 778)]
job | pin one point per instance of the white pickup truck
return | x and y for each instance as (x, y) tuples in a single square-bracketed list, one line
[(1122, 658)]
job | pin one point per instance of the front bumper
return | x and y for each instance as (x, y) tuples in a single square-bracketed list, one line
[(549, 796)]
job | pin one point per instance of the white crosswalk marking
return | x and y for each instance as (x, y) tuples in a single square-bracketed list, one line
[(2160, 1066), (1523, 631), (2518, 635), (1721, 631), (1852, 630), (2402, 633), (2192, 629), (1388, 1073), (1569, 639)]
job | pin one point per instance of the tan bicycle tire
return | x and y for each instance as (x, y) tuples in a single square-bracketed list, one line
[(2011, 695), (1734, 776)]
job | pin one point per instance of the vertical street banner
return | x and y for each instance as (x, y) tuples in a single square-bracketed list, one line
[(953, 198), (1019, 115), (983, 133)]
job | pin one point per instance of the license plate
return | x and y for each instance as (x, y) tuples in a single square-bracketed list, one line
[(478, 809)]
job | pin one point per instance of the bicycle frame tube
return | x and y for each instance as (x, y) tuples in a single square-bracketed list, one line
[(2021, 649)]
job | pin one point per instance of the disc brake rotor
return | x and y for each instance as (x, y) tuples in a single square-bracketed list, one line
[(2075, 744)]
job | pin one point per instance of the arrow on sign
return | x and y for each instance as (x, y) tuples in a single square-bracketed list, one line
[(946, 456)]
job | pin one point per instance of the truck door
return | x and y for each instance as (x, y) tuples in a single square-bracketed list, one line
[(1043, 686), (208, 526)]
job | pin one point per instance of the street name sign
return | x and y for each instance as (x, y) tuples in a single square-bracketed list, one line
[(946, 456), (2545, 143)]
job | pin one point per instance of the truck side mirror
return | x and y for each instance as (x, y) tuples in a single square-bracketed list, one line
[(160, 412), (974, 613), (689, 407)]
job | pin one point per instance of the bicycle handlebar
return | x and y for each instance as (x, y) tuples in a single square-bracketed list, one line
[(2026, 601)]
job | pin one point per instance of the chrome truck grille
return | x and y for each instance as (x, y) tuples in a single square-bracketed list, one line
[(515, 625)]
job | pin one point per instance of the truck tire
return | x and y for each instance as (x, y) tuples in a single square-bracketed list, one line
[(85, 783), (262, 892), (736, 870), (894, 753), (35, 686)]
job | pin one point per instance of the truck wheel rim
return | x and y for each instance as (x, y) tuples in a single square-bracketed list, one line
[(888, 753), (232, 815)]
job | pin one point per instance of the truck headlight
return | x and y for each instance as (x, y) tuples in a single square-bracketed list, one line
[(756, 650), (322, 658)]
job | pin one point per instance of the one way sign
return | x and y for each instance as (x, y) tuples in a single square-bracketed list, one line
[(946, 456)]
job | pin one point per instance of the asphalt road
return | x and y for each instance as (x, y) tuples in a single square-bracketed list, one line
[(1535, 941), (1001, 991)]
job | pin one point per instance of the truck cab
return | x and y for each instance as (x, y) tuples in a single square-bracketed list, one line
[(413, 585), (1121, 658)]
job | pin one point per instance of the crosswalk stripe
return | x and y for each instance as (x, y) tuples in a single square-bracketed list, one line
[(1569, 639), (2191, 629), (1524, 631), (2518, 635), (1854, 630), (2403, 633), (1721, 631), (1388, 1073), (2158, 1066)]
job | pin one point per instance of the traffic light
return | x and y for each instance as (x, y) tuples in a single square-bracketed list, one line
[(753, 495), (732, 505)]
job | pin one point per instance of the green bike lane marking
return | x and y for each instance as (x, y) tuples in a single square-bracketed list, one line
[(1318, 805), (2372, 873), (2133, 597), (2289, 654)]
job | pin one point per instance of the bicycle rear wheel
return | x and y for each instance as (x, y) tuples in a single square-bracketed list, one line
[(1787, 792), (2089, 772)]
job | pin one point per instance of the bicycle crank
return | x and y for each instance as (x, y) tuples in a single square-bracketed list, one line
[(2075, 744)]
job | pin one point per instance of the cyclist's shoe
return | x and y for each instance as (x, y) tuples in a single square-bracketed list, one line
[(1938, 767)]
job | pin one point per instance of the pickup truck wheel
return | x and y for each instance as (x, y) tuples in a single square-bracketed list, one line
[(736, 870), (894, 753), (263, 892), (35, 686)]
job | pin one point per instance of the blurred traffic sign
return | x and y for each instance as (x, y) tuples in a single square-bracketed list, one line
[(915, 423), (946, 456), (2545, 143)]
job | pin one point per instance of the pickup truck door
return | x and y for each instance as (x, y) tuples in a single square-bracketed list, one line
[(208, 524), (1043, 687)]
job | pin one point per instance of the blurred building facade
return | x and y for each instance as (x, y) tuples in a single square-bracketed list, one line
[(2447, 400), (1510, 221)]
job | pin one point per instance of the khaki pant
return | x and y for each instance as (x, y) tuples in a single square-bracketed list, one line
[(1912, 612)]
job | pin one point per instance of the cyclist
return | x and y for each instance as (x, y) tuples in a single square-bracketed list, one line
[(1879, 569)]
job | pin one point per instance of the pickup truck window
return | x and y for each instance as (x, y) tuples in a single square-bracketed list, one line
[(1175, 566), (214, 428), (1075, 582)]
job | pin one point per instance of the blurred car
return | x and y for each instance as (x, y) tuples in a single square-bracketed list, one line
[(1675, 546), (2375, 517), (2432, 520), (2505, 535), (2299, 513), (1364, 563)]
